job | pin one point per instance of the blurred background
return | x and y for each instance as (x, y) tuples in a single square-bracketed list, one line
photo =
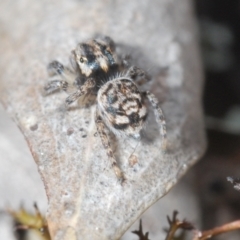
[(203, 196), (219, 25)]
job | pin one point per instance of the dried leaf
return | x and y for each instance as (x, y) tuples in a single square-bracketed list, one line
[(85, 199)]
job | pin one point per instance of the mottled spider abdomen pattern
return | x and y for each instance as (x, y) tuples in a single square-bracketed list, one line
[(122, 106)]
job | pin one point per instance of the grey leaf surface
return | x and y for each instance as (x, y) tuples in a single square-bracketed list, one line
[(86, 201)]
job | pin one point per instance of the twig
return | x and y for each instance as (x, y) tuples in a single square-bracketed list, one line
[(140, 233), (175, 224), (217, 230)]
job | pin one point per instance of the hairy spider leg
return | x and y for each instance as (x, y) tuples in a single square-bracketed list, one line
[(101, 128)]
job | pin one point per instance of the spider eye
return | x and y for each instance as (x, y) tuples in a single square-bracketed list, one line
[(81, 60)]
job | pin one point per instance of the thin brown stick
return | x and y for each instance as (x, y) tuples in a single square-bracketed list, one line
[(217, 230), (175, 224), (171, 232)]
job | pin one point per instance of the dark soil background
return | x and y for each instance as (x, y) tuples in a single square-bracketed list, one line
[(219, 23)]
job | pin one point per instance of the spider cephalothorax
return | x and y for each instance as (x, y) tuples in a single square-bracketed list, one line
[(96, 57), (120, 104)]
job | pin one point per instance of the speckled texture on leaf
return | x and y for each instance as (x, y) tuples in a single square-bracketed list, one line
[(85, 199)]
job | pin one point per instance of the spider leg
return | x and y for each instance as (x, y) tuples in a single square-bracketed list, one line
[(90, 83), (159, 117), (55, 85), (55, 68), (138, 74), (125, 61), (106, 144)]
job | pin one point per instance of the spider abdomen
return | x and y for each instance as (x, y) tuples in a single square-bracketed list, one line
[(122, 107)]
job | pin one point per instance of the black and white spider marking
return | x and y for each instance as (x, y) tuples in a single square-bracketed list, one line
[(120, 104)]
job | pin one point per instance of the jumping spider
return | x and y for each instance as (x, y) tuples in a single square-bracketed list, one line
[(120, 104)]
